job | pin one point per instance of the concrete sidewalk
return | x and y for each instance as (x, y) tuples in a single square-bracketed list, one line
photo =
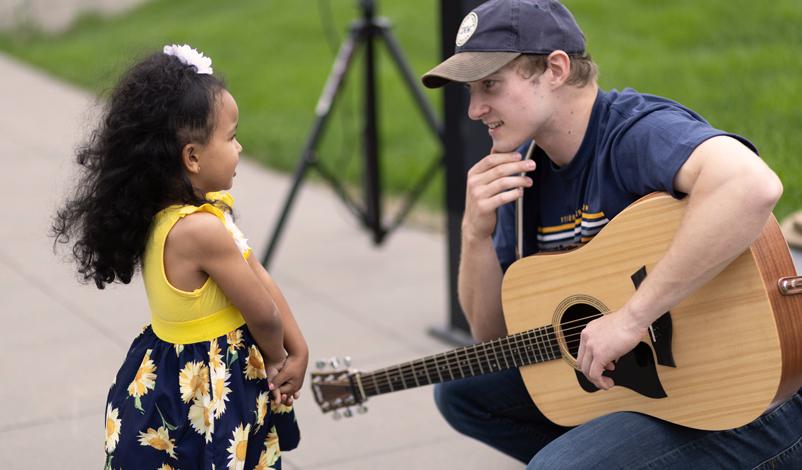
[(62, 342)]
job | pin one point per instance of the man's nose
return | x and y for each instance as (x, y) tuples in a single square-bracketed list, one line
[(476, 108)]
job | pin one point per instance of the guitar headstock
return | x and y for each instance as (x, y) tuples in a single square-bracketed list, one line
[(337, 388)]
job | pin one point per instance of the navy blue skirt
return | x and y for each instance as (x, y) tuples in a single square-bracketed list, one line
[(202, 405)]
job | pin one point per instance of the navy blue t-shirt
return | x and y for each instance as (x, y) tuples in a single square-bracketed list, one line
[(634, 145)]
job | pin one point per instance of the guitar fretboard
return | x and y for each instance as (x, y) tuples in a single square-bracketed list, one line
[(528, 347)]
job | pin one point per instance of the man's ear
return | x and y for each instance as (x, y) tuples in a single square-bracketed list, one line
[(559, 64), (189, 158)]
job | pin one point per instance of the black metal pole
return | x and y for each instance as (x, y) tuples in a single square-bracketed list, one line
[(370, 138), (322, 111), (465, 143)]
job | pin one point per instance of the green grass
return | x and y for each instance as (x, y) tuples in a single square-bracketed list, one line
[(736, 62)]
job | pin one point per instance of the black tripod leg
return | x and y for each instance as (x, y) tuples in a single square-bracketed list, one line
[(322, 111), (411, 81), (428, 113)]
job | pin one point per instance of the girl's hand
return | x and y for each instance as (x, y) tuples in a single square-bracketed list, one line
[(273, 369), (290, 379)]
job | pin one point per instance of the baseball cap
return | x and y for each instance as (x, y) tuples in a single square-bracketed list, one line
[(498, 31)]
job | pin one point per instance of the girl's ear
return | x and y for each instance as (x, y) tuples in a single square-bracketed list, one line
[(189, 158)]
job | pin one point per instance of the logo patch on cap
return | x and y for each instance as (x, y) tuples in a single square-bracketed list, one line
[(466, 28)]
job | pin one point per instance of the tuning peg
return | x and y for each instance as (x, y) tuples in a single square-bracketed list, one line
[(361, 409), (347, 361), (320, 364), (335, 363), (336, 415), (348, 413)]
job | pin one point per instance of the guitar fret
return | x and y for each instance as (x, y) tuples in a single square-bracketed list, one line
[(455, 362), (526, 340), (401, 378), (521, 340), (495, 354), (414, 375), (375, 384), (425, 373), (540, 351), (389, 380), (449, 364), (511, 348), (518, 347), (531, 355), (553, 343), (548, 343), (478, 357), (545, 343), (526, 344), (425, 370), (437, 368), (503, 354), (541, 346), (465, 360)]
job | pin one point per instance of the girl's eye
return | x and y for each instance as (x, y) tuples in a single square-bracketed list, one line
[(488, 84)]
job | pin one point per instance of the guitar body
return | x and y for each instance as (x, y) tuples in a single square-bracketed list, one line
[(726, 353)]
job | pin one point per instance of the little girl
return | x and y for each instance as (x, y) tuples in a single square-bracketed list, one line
[(210, 383)]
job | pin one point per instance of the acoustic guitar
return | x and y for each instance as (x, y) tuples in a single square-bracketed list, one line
[(716, 361)]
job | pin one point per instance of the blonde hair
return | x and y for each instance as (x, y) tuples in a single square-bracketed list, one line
[(583, 69)]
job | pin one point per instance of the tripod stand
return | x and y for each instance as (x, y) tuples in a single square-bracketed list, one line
[(362, 32)]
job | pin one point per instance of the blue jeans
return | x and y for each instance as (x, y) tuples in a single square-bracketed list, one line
[(497, 410)]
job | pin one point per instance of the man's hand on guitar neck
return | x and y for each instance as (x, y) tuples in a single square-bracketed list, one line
[(604, 341)]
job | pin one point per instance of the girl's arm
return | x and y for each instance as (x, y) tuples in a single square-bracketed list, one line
[(200, 245), (291, 377)]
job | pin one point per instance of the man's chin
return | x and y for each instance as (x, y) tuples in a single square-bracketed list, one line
[(506, 147)]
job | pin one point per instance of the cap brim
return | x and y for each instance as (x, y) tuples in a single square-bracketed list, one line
[(467, 67)]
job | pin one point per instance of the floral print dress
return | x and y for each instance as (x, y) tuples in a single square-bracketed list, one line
[(202, 405)]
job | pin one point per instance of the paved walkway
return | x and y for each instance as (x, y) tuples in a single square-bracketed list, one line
[(62, 342)]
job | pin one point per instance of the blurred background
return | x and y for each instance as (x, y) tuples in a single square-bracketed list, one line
[(736, 62)]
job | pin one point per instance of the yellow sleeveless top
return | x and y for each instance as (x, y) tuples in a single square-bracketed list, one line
[(184, 317)]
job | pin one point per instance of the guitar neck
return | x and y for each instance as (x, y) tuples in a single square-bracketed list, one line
[(521, 349)]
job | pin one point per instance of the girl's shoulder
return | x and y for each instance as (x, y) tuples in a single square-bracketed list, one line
[(198, 232), (207, 228)]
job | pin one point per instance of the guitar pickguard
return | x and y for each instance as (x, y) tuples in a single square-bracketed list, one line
[(662, 328), (635, 370)]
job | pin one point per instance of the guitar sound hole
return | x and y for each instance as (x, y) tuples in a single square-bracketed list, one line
[(573, 321)]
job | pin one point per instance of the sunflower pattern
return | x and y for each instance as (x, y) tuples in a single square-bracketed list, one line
[(203, 405), (255, 365)]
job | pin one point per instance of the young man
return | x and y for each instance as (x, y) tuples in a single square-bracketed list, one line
[(525, 66)]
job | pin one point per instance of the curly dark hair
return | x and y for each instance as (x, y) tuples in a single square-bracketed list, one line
[(131, 165)]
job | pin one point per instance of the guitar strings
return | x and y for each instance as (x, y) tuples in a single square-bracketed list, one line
[(410, 371), (471, 355)]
